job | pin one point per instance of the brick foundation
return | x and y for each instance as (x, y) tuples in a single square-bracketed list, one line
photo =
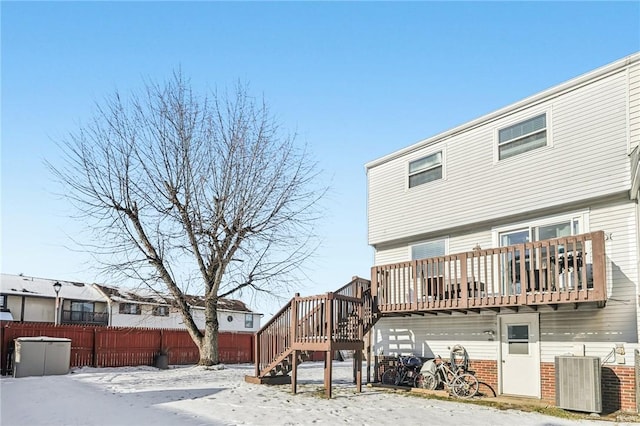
[(618, 382), (487, 374)]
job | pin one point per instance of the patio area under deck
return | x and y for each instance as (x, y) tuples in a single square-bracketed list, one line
[(562, 270)]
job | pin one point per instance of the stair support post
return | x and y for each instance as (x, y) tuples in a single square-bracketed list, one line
[(328, 358), (294, 372), (256, 354), (357, 360), (328, 365), (293, 329)]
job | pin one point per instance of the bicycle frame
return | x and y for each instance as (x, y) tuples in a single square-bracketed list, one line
[(459, 382)]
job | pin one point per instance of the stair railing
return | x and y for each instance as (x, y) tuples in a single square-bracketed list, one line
[(273, 339)]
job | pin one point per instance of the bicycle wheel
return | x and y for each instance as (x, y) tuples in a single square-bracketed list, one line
[(390, 377), (465, 385), (426, 380)]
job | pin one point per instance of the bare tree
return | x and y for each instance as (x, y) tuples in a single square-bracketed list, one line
[(191, 193)]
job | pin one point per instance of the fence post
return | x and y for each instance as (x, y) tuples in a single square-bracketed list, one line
[(95, 347)]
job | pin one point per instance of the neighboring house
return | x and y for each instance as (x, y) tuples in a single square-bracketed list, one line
[(29, 299), (140, 308), (516, 236), (34, 299)]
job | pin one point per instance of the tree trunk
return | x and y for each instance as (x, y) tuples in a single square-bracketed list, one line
[(209, 348)]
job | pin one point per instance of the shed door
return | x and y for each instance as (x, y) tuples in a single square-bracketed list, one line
[(520, 355)]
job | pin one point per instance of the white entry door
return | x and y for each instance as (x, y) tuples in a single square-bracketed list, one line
[(520, 354)]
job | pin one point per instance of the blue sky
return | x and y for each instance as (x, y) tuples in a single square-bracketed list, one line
[(355, 80)]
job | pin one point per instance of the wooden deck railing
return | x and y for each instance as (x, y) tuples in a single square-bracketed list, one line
[(331, 321), (561, 270), (273, 339)]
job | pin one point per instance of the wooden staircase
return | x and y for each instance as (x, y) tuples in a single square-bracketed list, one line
[(333, 321)]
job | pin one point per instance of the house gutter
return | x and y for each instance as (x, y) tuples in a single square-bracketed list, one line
[(538, 98)]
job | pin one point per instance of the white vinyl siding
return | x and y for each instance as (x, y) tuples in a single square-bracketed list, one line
[(634, 106), (589, 324), (589, 141), (431, 336)]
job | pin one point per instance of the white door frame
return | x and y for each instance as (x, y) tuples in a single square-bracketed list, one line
[(534, 319)]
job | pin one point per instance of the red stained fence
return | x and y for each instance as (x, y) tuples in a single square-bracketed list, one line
[(97, 346)]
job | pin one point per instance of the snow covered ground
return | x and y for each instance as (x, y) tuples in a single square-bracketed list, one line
[(195, 395)]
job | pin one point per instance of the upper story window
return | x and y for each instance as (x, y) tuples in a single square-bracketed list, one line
[(522, 137), (248, 320), (161, 311), (425, 169), (130, 308)]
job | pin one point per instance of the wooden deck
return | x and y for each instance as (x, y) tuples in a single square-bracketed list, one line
[(549, 272)]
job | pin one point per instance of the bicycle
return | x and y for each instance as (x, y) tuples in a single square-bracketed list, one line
[(458, 381), (406, 372)]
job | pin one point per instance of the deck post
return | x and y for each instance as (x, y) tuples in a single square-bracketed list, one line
[(329, 354), (294, 371), (464, 280), (328, 364), (357, 359), (599, 266), (256, 354)]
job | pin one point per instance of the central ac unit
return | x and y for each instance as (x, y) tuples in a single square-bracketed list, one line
[(578, 383)]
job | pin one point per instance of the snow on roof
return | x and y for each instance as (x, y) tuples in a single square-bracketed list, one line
[(148, 296), (43, 287)]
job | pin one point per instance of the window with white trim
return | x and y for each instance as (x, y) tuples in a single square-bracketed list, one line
[(428, 249), (535, 259), (425, 169), (522, 137), (429, 271), (248, 320), (541, 231)]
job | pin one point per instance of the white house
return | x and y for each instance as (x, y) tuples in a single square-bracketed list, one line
[(138, 308), (30, 299), (516, 236)]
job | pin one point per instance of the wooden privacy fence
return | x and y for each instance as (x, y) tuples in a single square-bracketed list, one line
[(97, 346)]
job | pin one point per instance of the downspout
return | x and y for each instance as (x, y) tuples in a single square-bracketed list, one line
[(637, 239), (22, 309), (109, 304)]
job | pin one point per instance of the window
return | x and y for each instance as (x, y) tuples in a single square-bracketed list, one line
[(518, 339), (81, 310), (248, 320), (425, 169), (545, 231), (542, 268), (130, 308), (161, 311), (3, 301), (522, 137), (429, 249)]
